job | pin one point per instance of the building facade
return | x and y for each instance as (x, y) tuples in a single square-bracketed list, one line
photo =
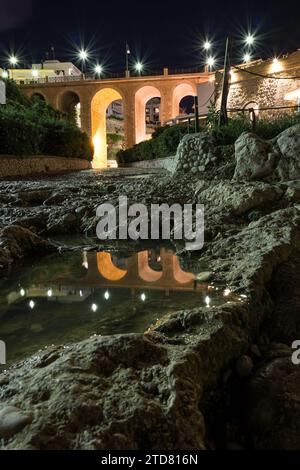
[(270, 87)]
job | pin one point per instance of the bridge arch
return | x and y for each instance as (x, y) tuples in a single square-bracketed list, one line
[(69, 102), (100, 102), (38, 95), (181, 91), (142, 96)]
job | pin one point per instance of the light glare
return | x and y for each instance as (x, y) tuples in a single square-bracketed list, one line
[(13, 60), (207, 45)]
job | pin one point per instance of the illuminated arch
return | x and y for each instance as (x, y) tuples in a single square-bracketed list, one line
[(107, 269), (142, 96), (180, 92), (100, 103), (145, 272), (182, 277)]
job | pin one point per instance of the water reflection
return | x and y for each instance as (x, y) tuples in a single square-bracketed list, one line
[(69, 297)]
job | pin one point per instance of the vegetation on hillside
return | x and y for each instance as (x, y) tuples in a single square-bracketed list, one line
[(166, 139), (32, 127)]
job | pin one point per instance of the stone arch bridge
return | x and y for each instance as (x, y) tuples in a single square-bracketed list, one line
[(95, 95)]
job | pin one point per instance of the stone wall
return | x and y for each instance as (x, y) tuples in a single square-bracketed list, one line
[(165, 163), (246, 88), (11, 166)]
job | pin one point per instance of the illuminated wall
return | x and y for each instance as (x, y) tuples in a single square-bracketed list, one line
[(99, 105), (142, 97)]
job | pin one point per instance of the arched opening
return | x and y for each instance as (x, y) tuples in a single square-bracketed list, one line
[(147, 112), (101, 109), (69, 103), (114, 130), (250, 108), (183, 99), (37, 96)]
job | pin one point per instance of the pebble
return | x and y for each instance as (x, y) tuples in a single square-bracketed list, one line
[(12, 421)]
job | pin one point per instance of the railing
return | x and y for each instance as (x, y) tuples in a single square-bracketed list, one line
[(108, 76)]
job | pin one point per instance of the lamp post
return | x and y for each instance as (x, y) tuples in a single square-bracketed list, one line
[(98, 70), (13, 60), (83, 56), (223, 119), (127, 73)]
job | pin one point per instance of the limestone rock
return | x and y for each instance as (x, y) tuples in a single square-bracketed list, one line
[(255, 158), (273, 412), (195, 153), (19, 241), (258, 159), (288, 143), (12, 421)]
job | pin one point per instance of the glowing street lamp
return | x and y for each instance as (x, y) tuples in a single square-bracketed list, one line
[(4, 74), (13, 60), (98, 70), (249, 39), (210, 62), (35, 73), (247, 57), (83, 56), (139, 67), (207, 45)]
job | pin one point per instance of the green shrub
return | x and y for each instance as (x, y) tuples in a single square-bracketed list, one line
[(164, 143), (18, 134), (33, 127), (61, 138)]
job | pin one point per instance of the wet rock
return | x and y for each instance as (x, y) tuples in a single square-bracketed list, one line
[(273, 412), (205, 276), (237, 198), (67, 224), (19, 241), (244, 366), (12, 421), (34, 197)]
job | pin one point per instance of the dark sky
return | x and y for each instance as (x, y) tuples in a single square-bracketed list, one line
[(161, 33)]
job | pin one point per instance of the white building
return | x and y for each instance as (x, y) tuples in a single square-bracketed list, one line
[(50, 69)]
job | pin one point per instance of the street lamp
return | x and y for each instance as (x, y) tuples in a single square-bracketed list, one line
[(128, 52), (210, 62), (139, 67), (83, 56), (4, 74), (247, 57), (207, 45), (249, 39), (98, 70), (13, 60)]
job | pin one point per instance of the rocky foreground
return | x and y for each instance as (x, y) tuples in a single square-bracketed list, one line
[(208, 378)]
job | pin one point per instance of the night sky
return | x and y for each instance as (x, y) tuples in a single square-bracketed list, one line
[(160, 33)]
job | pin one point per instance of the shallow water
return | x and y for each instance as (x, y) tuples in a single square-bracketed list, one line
[(69, 297)]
